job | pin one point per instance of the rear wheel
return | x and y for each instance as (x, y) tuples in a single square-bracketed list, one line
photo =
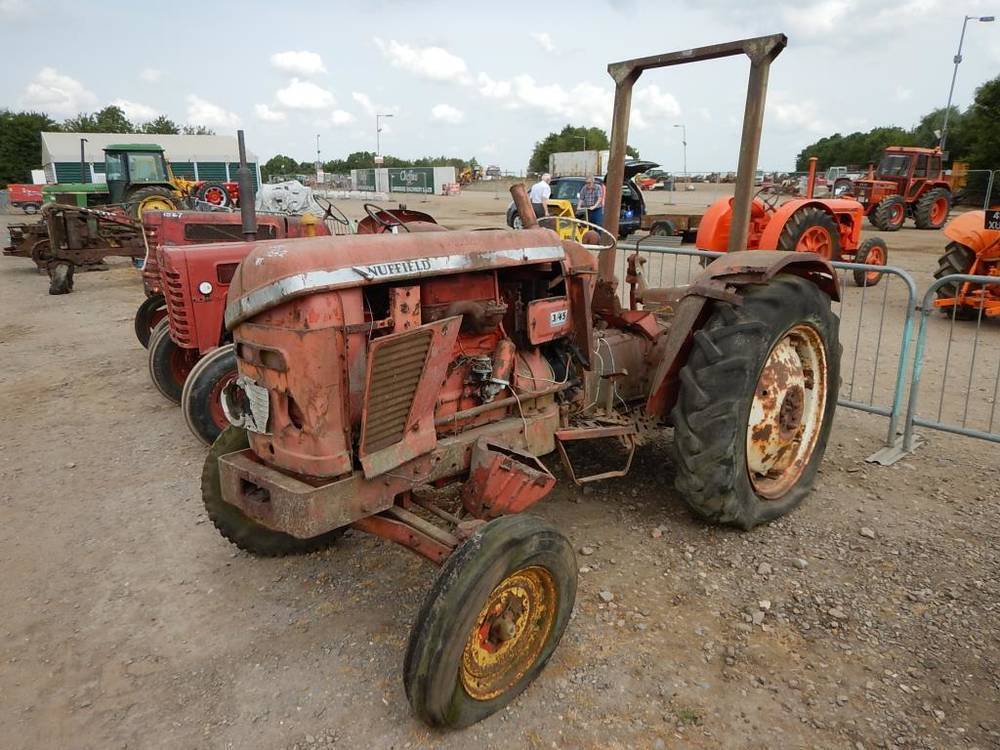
[(665, 228), (151, 199), (60, 277), (169, 364), (874, 252), (889, 214), (152, 310), (201, 396), (213, 193), (932, 209), (30, 208), (233, 523), (756, 403), (843, 186), (490, 622), (957, 258), (811, 230)]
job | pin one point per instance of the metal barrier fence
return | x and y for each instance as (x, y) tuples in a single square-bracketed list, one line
[(951, 406), (875, 359)]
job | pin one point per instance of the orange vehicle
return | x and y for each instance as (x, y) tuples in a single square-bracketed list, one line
[(829, 227), (909, 181), (973, 250)]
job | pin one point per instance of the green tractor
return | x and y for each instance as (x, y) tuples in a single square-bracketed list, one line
[(136, 176)]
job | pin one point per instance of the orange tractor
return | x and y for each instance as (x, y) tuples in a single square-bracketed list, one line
[(829, 227), (909, 181), (973, 249)]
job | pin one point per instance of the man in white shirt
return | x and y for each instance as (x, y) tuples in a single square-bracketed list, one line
[(539, 194)]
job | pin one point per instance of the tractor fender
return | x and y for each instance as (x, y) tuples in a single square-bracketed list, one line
[(722, 280), (713, 229), (969, 229), (835, 207)]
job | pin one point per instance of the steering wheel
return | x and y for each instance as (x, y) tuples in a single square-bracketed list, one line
[(597, 227), (373, 212), (769, 197), (330, 211)]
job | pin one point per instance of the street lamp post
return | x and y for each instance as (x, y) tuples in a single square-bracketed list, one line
[(954, 73), (378, 132), (684, 140)]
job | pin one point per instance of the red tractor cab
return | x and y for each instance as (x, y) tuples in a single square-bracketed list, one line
[(909, 181)]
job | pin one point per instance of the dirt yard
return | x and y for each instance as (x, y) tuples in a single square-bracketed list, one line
[(867, 619)]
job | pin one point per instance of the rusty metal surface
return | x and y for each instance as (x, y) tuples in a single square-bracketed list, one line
[(406, 535), (405, 371), (548, 319), (761, 51), (524, 209), (625, 432), (503, 480)]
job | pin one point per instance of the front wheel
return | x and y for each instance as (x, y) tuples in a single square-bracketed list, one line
[(756, 403), (889, 214), (201, 398), (490, 622), (152, 310), (811, 230), (874, 252), (169, 364)]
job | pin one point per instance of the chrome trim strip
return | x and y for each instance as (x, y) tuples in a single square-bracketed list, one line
[(290, 287)]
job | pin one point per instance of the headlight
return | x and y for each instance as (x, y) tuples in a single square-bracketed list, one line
[(205, 288)]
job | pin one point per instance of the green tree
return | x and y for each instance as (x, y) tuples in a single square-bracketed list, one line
[(21, 144), (197, 130), (981, 129), (570, 138), (279, 166), (162, 125), (111, 119)]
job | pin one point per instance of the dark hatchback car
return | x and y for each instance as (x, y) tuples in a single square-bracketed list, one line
[(633, 205)]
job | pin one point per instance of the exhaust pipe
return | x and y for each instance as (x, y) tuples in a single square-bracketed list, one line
[(520, 195), (811, 179), (248, 200)]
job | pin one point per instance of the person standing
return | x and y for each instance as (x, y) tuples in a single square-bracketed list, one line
[(591, 200), (539, 195)]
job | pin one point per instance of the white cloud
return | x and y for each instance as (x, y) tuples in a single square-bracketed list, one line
[(150, 75), (135, 111), (372, 108), (544, 40), (340, 117), (792, 113), (301, 62), (651, 102), (304, 95), (435, 63), (12, 8), (202, 112), (817, 19), (57, 94), (903, 93), (265, 113), (493, 89), (488, 149), (447, 113)]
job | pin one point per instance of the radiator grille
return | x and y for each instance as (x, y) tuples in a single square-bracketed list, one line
[(395, 373), (177, 311)]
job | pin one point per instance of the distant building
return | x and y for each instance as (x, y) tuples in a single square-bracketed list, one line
[(194, 157)]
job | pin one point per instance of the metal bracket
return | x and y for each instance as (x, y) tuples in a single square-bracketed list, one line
[(626, 432)]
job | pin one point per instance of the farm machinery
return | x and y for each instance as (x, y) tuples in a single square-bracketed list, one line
[(187, 275), (829, 227), (908, 181), (376, 371), (974, 250)]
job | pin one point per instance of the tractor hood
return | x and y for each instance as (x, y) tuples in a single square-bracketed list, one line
[(276, 271), (75, 187)]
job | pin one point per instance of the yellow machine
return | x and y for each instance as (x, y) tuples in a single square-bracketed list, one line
[(558, 210)]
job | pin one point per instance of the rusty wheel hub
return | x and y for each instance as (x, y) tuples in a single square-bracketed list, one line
[(787, 412), (509, 633)]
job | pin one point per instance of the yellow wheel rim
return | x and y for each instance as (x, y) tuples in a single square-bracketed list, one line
[(510, 633), (155, 203)]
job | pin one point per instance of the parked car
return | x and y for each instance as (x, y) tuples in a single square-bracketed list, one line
[(568, 188)]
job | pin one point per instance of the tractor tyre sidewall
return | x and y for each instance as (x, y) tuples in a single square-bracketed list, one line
[(144, 318), (60, 278), (233, 524), (922, 217), (806, 218), (196, 394), (161, 351), (860, 276), (957, 258), (718, 384), (431, 669), (880, 216)]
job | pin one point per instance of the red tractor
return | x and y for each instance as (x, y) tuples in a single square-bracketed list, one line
[(190, 353), (376, 370), (830, 227), (909, 181)]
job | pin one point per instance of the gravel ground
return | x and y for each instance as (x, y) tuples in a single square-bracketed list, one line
[(866, 619)]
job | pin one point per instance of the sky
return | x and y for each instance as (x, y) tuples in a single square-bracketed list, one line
[(489, 80)]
